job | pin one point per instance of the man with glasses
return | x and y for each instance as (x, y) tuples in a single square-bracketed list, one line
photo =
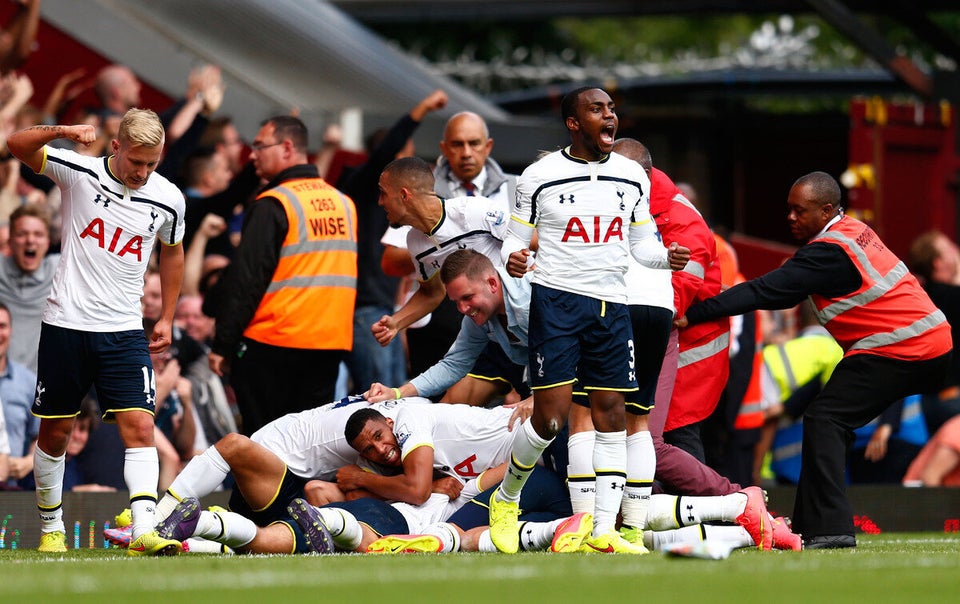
[(284, 308)]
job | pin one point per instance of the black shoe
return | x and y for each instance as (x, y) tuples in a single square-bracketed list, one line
[(830, 542)]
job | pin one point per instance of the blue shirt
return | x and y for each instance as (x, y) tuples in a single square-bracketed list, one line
[(17, 387), (473, 338)]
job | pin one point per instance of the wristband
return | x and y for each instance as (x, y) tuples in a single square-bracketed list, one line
[(396, 392)]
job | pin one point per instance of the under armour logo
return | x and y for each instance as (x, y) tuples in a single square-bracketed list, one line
[(461, 246), (435, 264), (564, 198), (690, 516), (540, 360), (620, 194), (99, 198), (153, 219), (514, 473), (632, 376), (40, 391), (616, 486)]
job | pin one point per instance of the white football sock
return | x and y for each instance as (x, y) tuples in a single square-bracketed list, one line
[(141, 471), (526, 451), (656, 540), (448, 535), (669, 511), (48, 476), (537, 536), (610, 466), (737, 535), (195, 545), (228, 528), (343, 526), (199, 478), (581, 481), (641, 466), (485, 543)]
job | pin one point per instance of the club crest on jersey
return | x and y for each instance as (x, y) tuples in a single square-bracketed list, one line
[(495, 218), (598, 234), (97, 231), (402, 433), (153, 220), (620, 194)]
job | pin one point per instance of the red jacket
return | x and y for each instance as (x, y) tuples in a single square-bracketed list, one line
[(704, 363)]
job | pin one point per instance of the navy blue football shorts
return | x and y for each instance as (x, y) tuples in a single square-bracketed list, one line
[(70, 361), (572, 336), (493, 365), (291, 487)]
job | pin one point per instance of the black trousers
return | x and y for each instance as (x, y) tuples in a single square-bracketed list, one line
[(861, 387), (271, 381)]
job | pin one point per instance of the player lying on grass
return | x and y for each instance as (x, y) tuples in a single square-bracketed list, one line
[(270, 469)]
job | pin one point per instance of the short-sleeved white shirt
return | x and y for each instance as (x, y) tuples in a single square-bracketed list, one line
[(107, 236), (467, 222), (311, 443), (465, 440), (584, 213)]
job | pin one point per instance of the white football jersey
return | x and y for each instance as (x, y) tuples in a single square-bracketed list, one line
[(311, 442), (476, 223), (649, 286), (107, 236), (585, 214), (465, 440), (438, 508)]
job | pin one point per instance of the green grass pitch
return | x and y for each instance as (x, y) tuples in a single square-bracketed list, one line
[(895, 567)]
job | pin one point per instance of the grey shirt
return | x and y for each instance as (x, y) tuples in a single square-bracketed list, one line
[(25, 294)]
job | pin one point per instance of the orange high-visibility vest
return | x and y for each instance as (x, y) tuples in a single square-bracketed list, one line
[(889, 315), (310, 300), (751, 410)]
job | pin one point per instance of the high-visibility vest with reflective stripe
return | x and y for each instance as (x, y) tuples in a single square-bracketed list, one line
[(889, 315), (310, 300), (796, 362), (750, 414), (812, 355)]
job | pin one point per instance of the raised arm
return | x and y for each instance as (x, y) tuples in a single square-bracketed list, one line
[(27, 144)]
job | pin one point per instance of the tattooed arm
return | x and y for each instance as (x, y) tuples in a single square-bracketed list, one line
[(27, 145)]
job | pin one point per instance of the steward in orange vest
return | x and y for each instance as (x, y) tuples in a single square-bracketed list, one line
[(896, 342), (284, 307)]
